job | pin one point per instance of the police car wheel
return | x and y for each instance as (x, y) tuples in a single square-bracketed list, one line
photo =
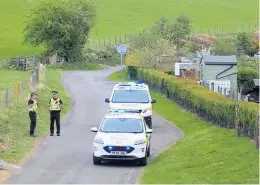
[(150, 124), (143, 161), (148, 153), (96, 160)]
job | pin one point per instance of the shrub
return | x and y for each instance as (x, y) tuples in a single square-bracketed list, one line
[(209, 105), (245, 79), (224, 46)]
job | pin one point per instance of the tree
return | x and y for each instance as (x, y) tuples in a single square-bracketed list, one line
[(177, 31), (61, 26), (245, 79), (224, 46), (243, 41), (152, 56)]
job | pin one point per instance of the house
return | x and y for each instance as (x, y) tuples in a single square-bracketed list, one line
[(219, 72), (253, 95)]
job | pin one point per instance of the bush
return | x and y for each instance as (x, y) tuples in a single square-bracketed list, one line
[(245, 79), (209, 105), (224, 46)]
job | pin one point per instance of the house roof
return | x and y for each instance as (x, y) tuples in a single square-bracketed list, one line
[(220, 60)]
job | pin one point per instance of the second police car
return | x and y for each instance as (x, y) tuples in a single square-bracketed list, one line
[(132, 96), (122, 135)]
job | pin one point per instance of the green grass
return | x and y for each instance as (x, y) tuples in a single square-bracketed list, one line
[(71, 67), (8, 78), (117, 75), (14, 122), (125, 16), (205, 155)]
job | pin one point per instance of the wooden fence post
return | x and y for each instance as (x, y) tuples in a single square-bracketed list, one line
[(18, 89), (14, 95)]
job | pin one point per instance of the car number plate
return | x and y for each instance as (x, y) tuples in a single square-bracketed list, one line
[(118, 153)]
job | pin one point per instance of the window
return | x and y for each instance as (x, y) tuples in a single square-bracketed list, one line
[(122, 125), (130, 96)]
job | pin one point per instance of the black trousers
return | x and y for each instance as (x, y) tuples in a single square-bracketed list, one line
[(33, 117), (55, 116)]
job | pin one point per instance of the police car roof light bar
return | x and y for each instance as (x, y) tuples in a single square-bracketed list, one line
[(124, 111)]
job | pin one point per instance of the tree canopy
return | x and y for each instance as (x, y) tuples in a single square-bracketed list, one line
[(61, 26)]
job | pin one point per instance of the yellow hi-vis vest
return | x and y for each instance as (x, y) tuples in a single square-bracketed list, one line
[(55, 104), (34, 106)]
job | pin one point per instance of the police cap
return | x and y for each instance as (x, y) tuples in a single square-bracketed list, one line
[(34, 93)]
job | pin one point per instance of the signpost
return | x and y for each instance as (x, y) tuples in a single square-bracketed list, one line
[(122, 51)]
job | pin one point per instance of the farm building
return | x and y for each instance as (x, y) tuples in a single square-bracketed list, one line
[(220, 73)]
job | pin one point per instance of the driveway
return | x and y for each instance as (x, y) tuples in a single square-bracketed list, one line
[(68, 158)]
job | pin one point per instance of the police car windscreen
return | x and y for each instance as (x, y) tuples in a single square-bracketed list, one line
[(121, 125), (130, 96)]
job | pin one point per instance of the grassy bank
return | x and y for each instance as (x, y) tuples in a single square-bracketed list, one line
[(72, 67), (14, 122), (205, 155), (8, 78)]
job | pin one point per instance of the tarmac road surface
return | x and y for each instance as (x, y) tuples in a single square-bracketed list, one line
[(68, 158)]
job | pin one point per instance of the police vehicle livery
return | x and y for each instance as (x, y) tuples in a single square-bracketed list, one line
[(132, 96), (122, 135)]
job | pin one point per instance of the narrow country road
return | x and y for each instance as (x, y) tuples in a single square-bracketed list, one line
[(68, 158)]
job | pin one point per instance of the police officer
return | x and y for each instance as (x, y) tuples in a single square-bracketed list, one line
[(55, 108), (33, 105)]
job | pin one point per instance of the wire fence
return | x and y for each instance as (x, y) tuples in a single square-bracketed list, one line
[(12, 95), (218, 31)]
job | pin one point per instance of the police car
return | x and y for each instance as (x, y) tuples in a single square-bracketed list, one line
[(122, 135), (132, 96)]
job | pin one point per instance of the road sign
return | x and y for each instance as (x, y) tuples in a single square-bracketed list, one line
[(121, 49)]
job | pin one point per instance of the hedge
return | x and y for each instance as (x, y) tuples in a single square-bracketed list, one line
[(211, 106)]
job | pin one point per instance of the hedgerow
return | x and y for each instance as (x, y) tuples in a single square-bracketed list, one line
[(211, 106)]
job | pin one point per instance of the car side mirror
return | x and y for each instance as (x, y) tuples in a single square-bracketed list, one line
[(94, 129), (107, 100), (149, 131), (153, 100)]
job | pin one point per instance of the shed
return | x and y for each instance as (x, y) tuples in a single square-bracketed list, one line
[(222, 68), (179, 66)]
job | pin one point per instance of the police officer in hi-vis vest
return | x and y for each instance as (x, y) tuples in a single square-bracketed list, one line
[(55, 108), (33, 105)]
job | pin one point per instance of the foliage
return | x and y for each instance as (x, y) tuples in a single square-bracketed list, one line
[(248, 42), (107, 55), (176, 31), (224, 46), (62, 26), (211, 106), (152, 56), (75, 66), (204, 40), (245, 79)]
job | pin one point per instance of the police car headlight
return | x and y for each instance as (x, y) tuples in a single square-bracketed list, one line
[(98, 140), (140, 141)]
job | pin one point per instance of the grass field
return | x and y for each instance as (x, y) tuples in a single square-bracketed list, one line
[(9, 78), (14, 122), (207, 154), (124, 16)]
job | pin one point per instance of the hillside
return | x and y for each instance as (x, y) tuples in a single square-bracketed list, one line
[(117, 16)]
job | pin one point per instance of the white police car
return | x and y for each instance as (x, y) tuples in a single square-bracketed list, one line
[(132, 96), (122, 135)]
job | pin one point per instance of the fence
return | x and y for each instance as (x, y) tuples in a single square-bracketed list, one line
[(123, 38), (11, 96), (20, 62)]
